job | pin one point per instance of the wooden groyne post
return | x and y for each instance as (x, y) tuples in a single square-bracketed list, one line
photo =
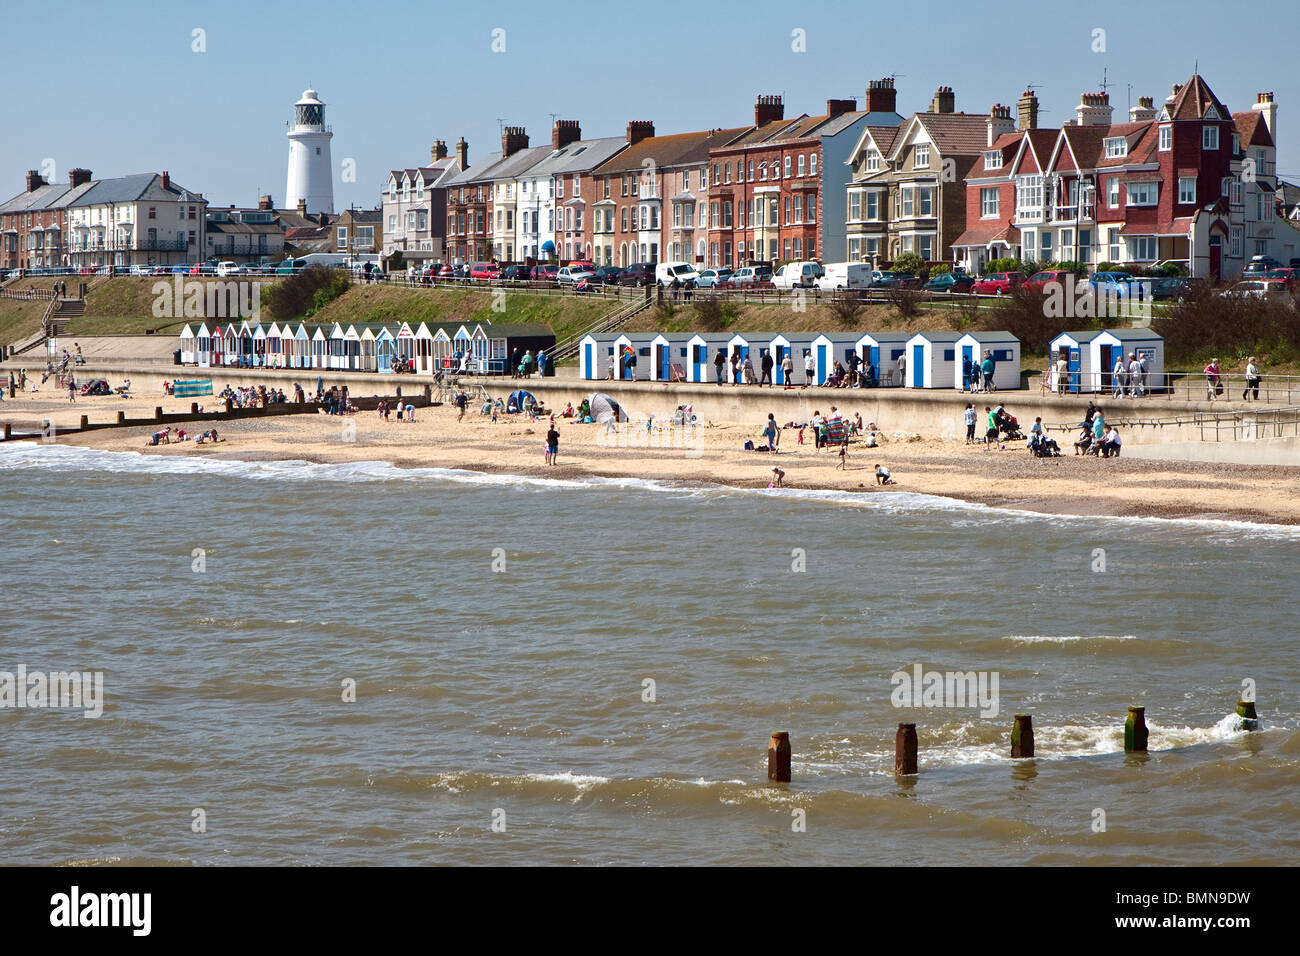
[(778, 758), (1022, 736), (905, 749), (1246, 711), (1135, 731)]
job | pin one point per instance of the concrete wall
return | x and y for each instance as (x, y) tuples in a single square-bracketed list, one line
[(1265, 451)]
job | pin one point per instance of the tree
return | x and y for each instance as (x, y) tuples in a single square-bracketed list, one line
[(909, 262)]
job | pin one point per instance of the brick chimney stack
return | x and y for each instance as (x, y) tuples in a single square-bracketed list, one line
[(1028, 110), (945, 101), (638, 130), (302, 208), (166, 179), (565, 132), (1094, 109), (836, 107), (767, 109), (1144, 112), (34, 180), (78, 177), (513, 139), (462, 153), (264, 202), (439, 151), (881, 96), (1000, 122)]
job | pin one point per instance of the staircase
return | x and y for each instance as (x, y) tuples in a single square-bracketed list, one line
[(606, 323), (53, 323)]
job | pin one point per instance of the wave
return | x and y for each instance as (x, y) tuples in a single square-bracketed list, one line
[(20, 455)]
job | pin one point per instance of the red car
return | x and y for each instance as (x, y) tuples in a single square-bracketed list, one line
[(485, 270), (997, 283), (546, 272), (1040, 279), (1285, 274)]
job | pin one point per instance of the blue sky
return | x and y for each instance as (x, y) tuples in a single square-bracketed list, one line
[(118, 89)]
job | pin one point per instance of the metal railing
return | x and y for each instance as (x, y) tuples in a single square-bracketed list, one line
[(1180, 386), (606, 323)]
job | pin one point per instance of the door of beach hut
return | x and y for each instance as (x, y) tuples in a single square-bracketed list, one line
[(661, 355), (385, 351), (622, 345), (918, 365), (823, 354), (738, 345), (441, 350), (587, 357), (698, 358)]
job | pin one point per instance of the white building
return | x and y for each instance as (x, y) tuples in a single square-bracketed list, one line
[(415, 208), (311, 175)]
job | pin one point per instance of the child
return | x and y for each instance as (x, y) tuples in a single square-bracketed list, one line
[(777, 479), (843, 458), (883, 476)]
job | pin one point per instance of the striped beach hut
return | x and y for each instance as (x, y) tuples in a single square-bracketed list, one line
[(320, 348), (186, 345), (1003, 347), (930, 359), (880, 351), (273, 347)]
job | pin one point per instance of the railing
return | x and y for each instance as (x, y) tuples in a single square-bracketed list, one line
[(1182, 386), (26, 293), (606, 323)]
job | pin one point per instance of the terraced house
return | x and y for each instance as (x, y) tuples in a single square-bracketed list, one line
[(414, 211)]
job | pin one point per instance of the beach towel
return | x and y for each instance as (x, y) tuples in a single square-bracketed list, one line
[(835, 431)]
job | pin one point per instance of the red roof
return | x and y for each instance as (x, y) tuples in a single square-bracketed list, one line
[(1252, 129), (987, 234)]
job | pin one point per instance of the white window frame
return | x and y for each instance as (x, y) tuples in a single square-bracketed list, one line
[(1166, 138), (990, 202), (993, 159), (921, 156), (1209, 137), (1116, 147), (1186, 190), (1147, 193)]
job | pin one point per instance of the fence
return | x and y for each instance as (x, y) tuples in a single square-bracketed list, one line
[(1192, 386)]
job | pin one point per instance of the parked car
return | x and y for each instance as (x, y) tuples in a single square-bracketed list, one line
[(712, 278), (485, 270), (1288, 275), (228, 268), (752, 275), (546, 272), (606, 275), (1259, 266), (573, 274), (883, 279), (1174, 288), (1039, 280), (516, 273), (798, 275), (998, 283), (639, 273), (950, 282), (1254, 288), (666, 272), (142, 270)]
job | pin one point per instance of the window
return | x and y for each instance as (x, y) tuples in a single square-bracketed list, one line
[(1142, 194), (410, 220), (392, 223), (855, 214), (153, 212), (1209, 137), (550, 220), (873, 160), (909, 203), (726, 253), (422, 220), (989, 202), (1067, 241), (713, 215), (510, 219), (726, 173), (873, 248), (927, 201), (798, 209), (798, 248), (1046, 247), (1029, 245), (921, 157), (787, 249), (1112, 192), (1142, 248), (855, 250), (1187, 189), (926, 248), (774, 210), (812, 171), (1166, 138), (873, 206), (745, 209), (787, 167), (1235, 249), (716, 180), (1029, 198), (726, 215), (1116, 147), (993, 159), (801, 166), (606, 190), (1084, 252), (751, 170)]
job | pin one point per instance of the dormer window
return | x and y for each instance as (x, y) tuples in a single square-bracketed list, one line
[(993, 159), (873, 160), (1116, 147), (922, 156)]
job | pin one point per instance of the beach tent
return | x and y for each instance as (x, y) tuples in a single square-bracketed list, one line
[(1003, 346), (521, 400), (930, 359), (186, 345), (605, 409), (880, 352), (203, 346), (737, 345)]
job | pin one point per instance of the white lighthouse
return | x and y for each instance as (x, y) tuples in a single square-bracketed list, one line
[(310, 172)]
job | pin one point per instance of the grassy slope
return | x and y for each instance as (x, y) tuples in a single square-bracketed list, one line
[(20, 319)]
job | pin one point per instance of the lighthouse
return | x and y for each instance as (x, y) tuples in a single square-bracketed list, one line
[(310, 172)]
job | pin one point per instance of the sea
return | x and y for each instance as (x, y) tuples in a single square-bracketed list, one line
[(362, 664)]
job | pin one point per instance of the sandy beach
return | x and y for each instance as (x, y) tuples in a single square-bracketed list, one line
[(714, 452)]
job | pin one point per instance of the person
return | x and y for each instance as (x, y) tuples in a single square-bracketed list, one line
[(72, 389), (817, 422), (542, 359), (1213, 380), (568, 411), (462, 400), (991, 432), (735, 366), (584, 410), (902, 368), (844, 458), (410, 413), (766, 365), (966, 366), (719, 362), (1062, 372), (749, 372), (1084, 443), (552, 445), (778, 478), (883, 477), (787, 369), (969, 418), (81, 360), (857, 422), (1109, 443), (1118, 376), (609, 373), (1134, 376), (771, 432), (807, 369), (514, 363), (1252, 379), (987, 368), (676, 287), (163, 437), (1099, 428)]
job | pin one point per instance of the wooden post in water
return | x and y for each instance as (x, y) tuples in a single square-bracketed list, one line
[(778, 758), (1246, 711), (1135, 731), (1022, 736), (905, 749), (7, 431)]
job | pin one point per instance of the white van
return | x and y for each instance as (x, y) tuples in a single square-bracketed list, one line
[(228, 268), (665, 272), (846, 275), (802, 275)]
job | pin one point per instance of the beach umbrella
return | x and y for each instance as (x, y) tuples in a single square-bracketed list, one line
[(605, 409)]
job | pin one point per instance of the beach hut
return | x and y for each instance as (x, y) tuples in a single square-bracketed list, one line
[(259, 346), (203, 347), (273, 345), (879, 352), (462, 343), (320, 348), (301, 347), (589, 358), (1091, 356), (700, 350), (423, 349), (930, 359), (662, 358), (334, 347), (737, 345), (480, 346), (245, 345), (826, 351), (352, 349), (618, 350), (231, 354), (366, 349), (1004, 349), (441, 349), (385, 350), (186, 345)]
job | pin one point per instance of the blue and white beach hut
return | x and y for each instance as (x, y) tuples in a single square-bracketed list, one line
[(1091, 356), (879, 351), (930, 359), (738, 345), (700, 350), (385, 350), (1004, 349), (186, 345), (662, 358), (589, 358), (441, 349), (273, 346), (480, 345)]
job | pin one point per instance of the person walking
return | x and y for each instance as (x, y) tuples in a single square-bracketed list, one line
[(1252, 379), (902, 368), (808, 369), (766, 365), (514, 364), (542, 359), (735, 366), (772, 433), (1213, 380), (989, 366), (787, 369), (1118, 376), (969, 418), (1134, 376), (719, 363), (1062, 372)]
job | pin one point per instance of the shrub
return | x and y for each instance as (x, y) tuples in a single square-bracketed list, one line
[(939, 269), (846, 309), (708, 312), (906, 301), (304, 292), (909, 262)]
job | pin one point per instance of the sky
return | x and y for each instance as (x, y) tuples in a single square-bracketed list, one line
[(203, 90)]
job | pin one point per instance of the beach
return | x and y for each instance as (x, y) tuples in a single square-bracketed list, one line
[(712, 453)]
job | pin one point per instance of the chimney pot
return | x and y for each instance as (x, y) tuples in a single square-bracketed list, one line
[(881, 96), (768, 109), (565, 132), (462, 153), (638, 130)]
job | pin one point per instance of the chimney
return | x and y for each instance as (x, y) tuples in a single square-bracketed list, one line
[(166, 180), (881, 96), (438, 152), (638, 130), (999, 122), (1093, 110), (1264, 104), (1144, 112), (836, 107), (513, 139), (1028, 110), (302, 208), (34, 180), (767, 109), (945, 101), (78, 177), (1174, 95), (462, 153), (565, 132), (264, 202)]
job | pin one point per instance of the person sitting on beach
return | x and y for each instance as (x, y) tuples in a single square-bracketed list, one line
[(883, 477), (181, 436), (1082, 446), (568, 411), (1109, 444)]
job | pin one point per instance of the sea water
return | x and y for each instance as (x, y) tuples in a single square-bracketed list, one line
[(349, 664)]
